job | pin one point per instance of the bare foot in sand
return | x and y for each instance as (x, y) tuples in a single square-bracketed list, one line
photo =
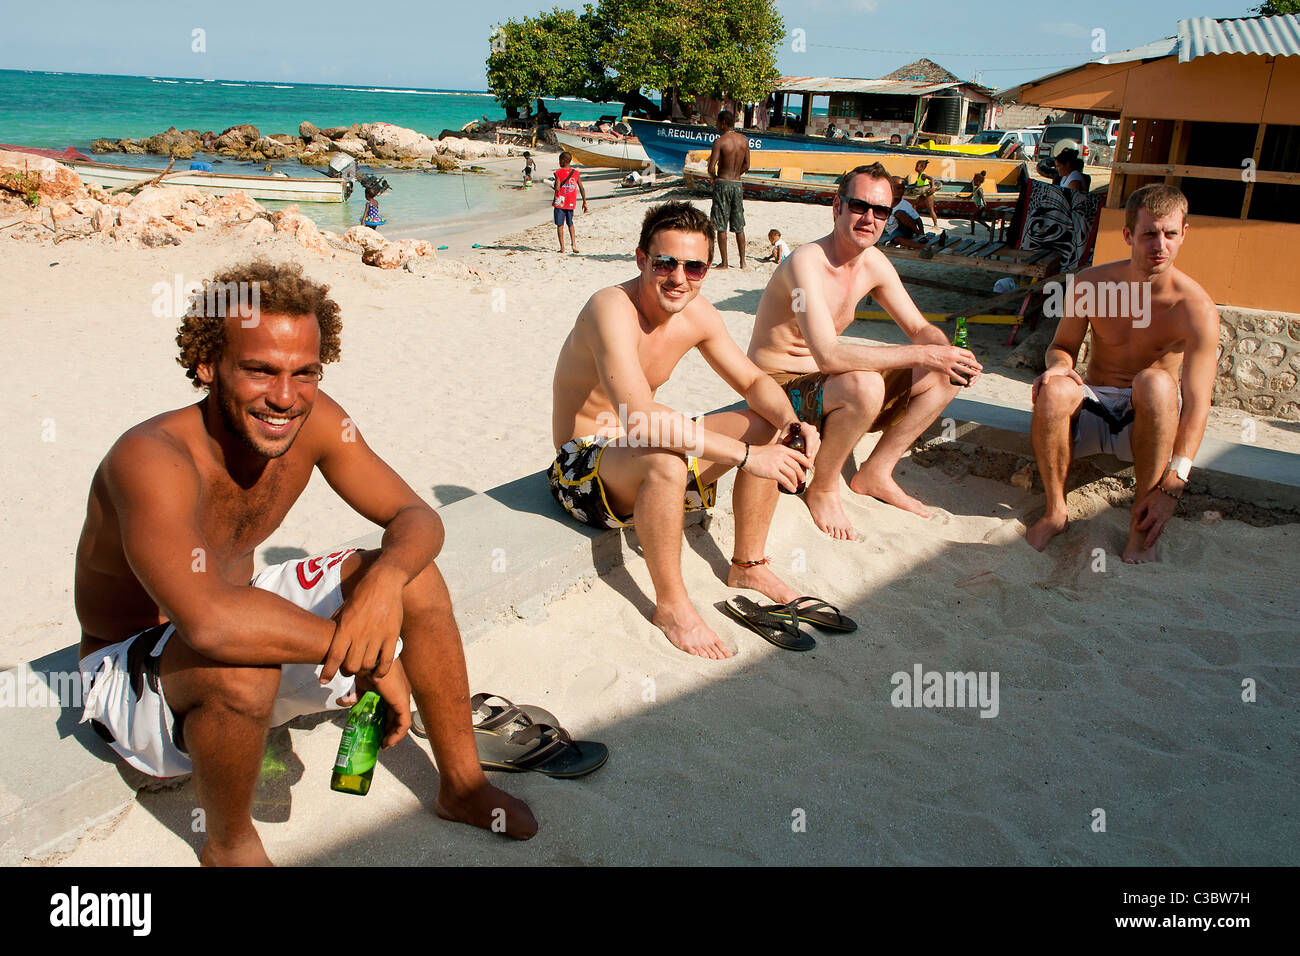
[(487, 807), (247, 853), (761, 579), (575, 251), (884, 488), (828, 514), (686, 631), (1046, 528), (1134, 553)]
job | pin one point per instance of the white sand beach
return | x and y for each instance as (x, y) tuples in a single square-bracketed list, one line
[(1120, 689)]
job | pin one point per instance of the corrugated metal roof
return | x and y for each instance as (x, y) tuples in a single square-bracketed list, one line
[(1265, 36), (839, 84)]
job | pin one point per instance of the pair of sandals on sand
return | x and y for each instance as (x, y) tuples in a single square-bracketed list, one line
[(779, 623), (521, 737)]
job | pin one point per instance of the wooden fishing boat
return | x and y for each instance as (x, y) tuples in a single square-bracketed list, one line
[(603, 149), (814, 177), (668, 143)]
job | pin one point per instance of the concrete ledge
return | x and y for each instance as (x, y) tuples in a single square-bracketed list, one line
[(509, 552), (1249, 473)]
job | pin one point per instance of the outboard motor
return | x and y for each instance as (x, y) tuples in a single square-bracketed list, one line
[(344, 167)]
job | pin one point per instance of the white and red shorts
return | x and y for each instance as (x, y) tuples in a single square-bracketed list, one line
[(125, 698)]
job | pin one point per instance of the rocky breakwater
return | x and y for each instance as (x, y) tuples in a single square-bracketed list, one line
[(42, 200), (375, 144)]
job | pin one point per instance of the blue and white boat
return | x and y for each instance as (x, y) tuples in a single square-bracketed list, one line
[(668, 143)]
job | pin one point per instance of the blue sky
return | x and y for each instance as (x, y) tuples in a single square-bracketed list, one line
[(443, 45)]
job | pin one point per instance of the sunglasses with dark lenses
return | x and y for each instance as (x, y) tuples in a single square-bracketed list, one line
[(859, 207), (695, 269)]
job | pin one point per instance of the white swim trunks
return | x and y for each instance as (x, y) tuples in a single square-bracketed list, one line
[(124, 700)]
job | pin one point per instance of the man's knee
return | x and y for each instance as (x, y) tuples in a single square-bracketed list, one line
[(1154, 388), (861, 391), (1058, 397), (247, 691), (426, 593), (664, 466)]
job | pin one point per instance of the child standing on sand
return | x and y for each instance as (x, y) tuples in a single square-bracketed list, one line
[(529, 166), (568, 184)]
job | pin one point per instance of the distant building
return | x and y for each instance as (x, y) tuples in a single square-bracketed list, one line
[(1215, 111), (920, 97)]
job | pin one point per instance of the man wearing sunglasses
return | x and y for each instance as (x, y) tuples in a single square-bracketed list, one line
[(846, 389), (622, 457)]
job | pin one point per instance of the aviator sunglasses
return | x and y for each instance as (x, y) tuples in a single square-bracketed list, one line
[(695, 269), (859, 207)]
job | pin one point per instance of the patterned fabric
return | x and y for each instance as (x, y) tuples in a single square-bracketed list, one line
[(1063, 220), (371, 216), (575, 483), (804, 389), (728, 212)]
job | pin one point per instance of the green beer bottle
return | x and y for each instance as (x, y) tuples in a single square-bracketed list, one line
[(359, 748), (959, 341)]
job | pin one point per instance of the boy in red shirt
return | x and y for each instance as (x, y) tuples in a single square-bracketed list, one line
[(568, 184)]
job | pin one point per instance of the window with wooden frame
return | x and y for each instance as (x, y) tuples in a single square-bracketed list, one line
[(1227, 170)]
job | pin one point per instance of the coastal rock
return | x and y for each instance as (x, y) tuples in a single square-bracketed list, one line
[(61, 211), (157, 233), (129, 146), (158, 202), (397, 142), (418, 248), (463, 148), (237, 205), (174, 142), (54, 180), (351, 145), (387, 257), (104, 146), (286, 140), (294, 223), (86, 206), (203, 222), (255, 230), (364, 239), (318, 158), (237, 138), (307, 131), (334, 132), (104, 218), (272, 148)]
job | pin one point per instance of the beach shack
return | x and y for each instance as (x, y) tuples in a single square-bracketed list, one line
[(1215, 111), (921, 97)]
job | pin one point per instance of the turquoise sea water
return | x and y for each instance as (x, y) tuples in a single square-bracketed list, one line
[(56, 110)]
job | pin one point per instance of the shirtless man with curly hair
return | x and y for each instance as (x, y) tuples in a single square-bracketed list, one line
[(191, 657)]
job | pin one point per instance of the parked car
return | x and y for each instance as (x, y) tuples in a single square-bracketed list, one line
[(1000, 137), (1084, 137), (1112, 133)]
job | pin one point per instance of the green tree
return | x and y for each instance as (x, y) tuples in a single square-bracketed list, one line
[(1274, 8), (681, 48), (546, 55)]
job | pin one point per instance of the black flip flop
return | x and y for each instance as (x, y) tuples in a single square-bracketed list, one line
[(489, 716), (773, 624), (541, 748), (819, 614)]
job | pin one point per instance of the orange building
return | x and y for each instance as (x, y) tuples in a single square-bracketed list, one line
[(1214, 111)]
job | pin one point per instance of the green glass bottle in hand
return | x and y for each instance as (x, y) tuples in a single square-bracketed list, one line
[(359, 748), (959, 341)]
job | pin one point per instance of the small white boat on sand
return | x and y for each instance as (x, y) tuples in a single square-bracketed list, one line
[(609, 150)]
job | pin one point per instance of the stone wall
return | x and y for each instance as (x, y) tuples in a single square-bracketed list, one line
[(1259, 362)]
